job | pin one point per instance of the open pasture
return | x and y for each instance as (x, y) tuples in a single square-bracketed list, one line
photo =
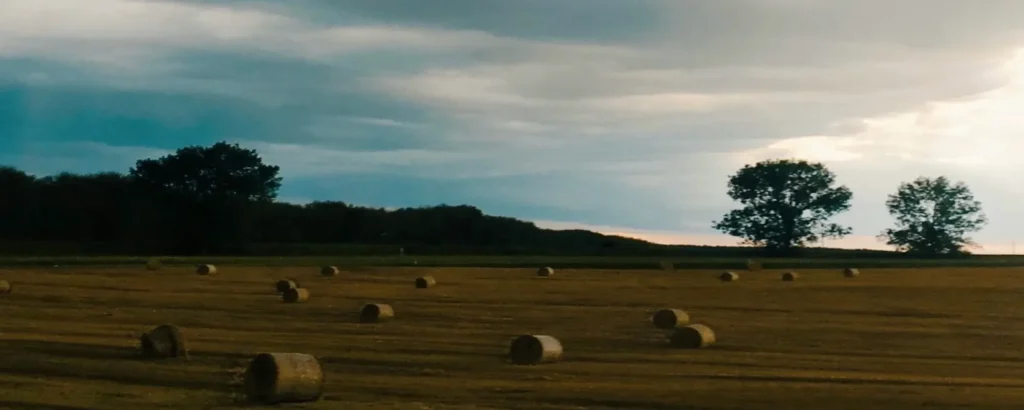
[(939, 338)]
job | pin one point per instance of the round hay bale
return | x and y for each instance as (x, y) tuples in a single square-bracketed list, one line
[(424, 282), (545, 271), (376, 312), (154, 264), (285, 284), (535, 349), (274, 378), (693, 337), (670, 318), (790, 276), (206, 270), (851, 272), (5, 287), (728, 277), (329, 271), (295, 295), (164, 341)]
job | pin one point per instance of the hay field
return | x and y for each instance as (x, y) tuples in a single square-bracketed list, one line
[(889, 339)]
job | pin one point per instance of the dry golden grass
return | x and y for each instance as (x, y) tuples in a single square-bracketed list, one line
[(892, 339)]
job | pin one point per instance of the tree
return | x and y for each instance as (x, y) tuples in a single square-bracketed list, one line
[(786, 203), (933, 216), (218, 172), (16, 191), (206, 193), (87, 208)]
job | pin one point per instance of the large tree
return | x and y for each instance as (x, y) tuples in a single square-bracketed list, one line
[(206, 194), (786, 204), (219, 172), (933, 216)]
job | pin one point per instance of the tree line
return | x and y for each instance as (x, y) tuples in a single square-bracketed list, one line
[(221, 199), (789, 203)]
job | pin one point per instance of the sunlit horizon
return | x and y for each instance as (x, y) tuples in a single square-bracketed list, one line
[(853, 242)]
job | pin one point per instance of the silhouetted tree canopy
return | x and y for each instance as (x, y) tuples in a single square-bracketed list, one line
[(786, 203), (205, 194), (218, 172), (220, 200), (933, 216), (16, 202)]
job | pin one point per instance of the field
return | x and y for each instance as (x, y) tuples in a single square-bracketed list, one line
[(939, 338), (497, 261)]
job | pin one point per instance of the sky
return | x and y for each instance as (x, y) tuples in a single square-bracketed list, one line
[(621, 116)]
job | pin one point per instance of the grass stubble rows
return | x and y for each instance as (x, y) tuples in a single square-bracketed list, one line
[(888, 339)]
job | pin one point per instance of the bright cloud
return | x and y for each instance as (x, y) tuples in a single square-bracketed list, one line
[(974, 132)]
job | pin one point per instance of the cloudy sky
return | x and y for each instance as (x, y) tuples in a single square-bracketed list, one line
[(623, 116)]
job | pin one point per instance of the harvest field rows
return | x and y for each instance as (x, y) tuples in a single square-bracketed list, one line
[(519, 261), (889, 339)]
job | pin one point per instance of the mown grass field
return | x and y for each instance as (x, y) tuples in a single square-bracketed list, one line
[(498, 261), (890, 339)]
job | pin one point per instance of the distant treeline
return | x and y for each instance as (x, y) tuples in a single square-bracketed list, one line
[(220, 200), (107, 214)]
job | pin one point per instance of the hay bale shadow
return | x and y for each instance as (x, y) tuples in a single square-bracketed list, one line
[(74, 350), (24, 405)]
